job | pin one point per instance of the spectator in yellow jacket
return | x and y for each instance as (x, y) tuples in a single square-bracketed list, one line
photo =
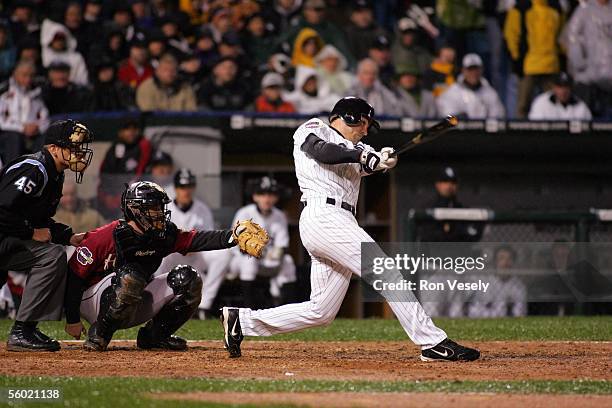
[(531, 31)]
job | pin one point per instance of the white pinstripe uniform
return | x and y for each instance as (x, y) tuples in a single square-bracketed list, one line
[(215, 263), (333, 239), (278, 230)]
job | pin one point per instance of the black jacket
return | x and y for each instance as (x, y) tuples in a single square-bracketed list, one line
[(449, 231), (30, 191)]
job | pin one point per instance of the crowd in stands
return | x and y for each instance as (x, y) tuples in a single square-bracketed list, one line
[(537, 59)]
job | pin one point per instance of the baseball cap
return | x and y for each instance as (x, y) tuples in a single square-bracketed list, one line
[(266, 185), (220, 12), (161, 158), (184, 178), (59, 66), (563, 79), (472, 60), (409, 68), (361, 4), (381, 43), (407, 24), (272, 79), (316, 4), (447, 174)]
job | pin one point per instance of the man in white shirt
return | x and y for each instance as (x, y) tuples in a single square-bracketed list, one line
[(559, 103), (275, 263), (471, 96), (187, 212)]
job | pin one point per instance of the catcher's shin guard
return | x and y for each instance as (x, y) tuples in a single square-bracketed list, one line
[(119, 302), (187, 287)]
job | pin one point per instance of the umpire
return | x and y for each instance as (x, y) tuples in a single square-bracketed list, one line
[(30, 241)]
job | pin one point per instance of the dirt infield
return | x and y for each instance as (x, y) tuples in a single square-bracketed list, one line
[(391, 400), (323, 360)]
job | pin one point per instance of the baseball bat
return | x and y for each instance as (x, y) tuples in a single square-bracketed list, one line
[(429, 134)]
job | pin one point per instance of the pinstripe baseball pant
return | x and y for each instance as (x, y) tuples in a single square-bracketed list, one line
[(333, 239)]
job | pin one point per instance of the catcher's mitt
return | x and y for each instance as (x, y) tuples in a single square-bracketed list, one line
[(250, 237)]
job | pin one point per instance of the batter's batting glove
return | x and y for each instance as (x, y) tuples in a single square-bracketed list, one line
[(370, 161), (388, 160)]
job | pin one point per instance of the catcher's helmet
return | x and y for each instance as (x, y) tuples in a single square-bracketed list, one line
[(76, 137), (144, 202), (184, 178), (352, 110)]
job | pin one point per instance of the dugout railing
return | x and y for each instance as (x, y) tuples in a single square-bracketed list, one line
[(584, 287), (594, 225)]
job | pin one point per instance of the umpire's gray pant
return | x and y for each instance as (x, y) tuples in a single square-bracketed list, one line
[(46, 266)]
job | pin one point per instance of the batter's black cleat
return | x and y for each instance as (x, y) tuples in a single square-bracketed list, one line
[(25, 336), (146, 342), (448, 350), (233, 333), (94, 341)]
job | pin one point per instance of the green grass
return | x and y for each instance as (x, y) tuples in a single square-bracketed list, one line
[(128, 392), (528, 328)]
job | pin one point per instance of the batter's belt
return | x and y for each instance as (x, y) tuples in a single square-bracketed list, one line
[(332, 201)]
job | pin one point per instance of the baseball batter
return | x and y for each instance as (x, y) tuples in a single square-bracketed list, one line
[(275, 262), (329, 162), (188, 213)]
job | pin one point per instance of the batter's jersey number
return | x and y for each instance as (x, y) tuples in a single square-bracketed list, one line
[(25, 184)]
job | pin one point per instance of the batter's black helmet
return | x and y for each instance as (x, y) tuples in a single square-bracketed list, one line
[(184, 178), (352, 110), (144, 202), (76, 137)]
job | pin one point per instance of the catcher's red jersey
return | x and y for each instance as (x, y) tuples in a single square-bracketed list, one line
[(96, 255)]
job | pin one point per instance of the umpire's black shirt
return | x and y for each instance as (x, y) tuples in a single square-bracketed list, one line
[(30, 190)]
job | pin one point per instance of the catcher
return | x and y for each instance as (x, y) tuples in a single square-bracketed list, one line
[(111, 282)]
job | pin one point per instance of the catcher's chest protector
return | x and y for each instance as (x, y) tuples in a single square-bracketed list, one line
[(142, 249)]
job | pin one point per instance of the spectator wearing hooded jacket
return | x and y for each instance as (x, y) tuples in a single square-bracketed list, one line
[(559, 103), (313, 16), (23, 115), (414, 101), (471, 96), (531, 31), (307, 98), (306, 47), (270, 99), (331, 68), (369, 87), (590, 54), (59, 45)]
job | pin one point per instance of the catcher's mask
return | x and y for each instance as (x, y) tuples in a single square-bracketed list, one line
[(75, 137), (145, 203), (352, 110)]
